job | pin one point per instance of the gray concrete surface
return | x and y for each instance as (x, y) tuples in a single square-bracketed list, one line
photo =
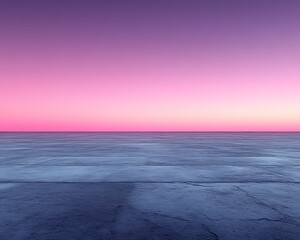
[(150, 186)]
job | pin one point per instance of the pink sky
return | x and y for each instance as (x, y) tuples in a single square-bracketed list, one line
[(203, 69)]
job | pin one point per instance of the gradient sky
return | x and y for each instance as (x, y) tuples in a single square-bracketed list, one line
[(202, 65)]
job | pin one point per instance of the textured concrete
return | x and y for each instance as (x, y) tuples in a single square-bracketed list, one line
[(150, 186)]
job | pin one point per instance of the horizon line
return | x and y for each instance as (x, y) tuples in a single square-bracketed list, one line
[(154, 131)]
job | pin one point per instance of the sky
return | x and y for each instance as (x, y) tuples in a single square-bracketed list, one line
[(149, 65)]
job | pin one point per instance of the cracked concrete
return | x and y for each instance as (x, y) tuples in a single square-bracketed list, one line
[(150, 186), (285, 217)]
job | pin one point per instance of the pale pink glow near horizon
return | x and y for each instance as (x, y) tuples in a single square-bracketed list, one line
[(69, 82)]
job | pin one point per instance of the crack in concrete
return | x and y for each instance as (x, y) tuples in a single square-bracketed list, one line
[(277, 174), (215, 219), (266, 219), (210, 231), (206, 227), (285, 217), (165, 216), (195, 184)]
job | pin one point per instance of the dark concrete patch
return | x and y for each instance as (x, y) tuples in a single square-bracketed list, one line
[(61, 211)]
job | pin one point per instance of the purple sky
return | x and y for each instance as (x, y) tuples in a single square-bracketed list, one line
[(150, 65)]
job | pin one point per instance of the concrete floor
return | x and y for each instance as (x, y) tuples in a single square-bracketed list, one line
[(150, 186)]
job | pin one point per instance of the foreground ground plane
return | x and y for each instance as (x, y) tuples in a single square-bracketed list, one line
[(150, 186)]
